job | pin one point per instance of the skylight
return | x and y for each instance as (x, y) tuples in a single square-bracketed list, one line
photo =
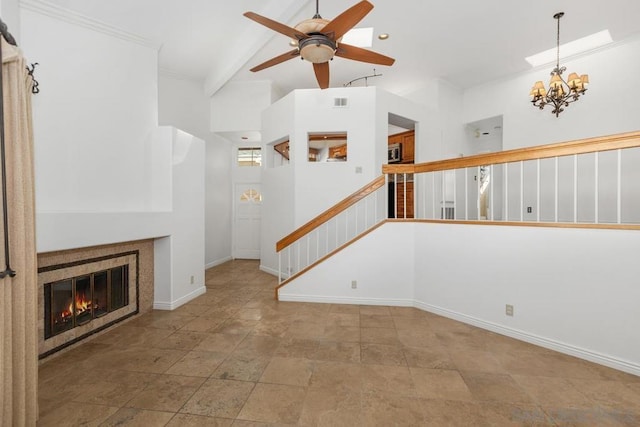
[(575, 47), (359, 37)]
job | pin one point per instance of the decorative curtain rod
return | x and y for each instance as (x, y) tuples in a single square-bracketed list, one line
[(6, 34), (4, 31)]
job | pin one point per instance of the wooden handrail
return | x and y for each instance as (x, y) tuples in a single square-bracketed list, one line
[(581, 146), (329, 255), (331, 213)]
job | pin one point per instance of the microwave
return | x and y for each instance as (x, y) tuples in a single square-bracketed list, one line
[(395, 153)]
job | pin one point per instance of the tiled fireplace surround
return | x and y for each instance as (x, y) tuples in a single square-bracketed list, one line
[(53, 266)]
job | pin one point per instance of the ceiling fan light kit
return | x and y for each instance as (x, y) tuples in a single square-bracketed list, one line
[(317, 48), (561, 92), (318, 40)]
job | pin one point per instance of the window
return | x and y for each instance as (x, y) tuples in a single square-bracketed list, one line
[(251, 195), (327, 147), (249, 156)]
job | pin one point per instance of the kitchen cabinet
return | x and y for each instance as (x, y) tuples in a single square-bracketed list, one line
[(283, 149), (404, 191), (407, 142), (338, 152)]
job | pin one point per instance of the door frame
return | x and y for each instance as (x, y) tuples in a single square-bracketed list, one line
[(234, 212)]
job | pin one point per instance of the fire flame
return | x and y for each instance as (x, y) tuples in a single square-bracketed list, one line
[(82, 304)]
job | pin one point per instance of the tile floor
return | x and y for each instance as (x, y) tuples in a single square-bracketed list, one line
[(235, 357)]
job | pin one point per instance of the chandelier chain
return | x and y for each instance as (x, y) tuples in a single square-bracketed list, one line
[(558, 43)]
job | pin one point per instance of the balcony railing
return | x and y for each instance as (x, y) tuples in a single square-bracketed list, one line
[(591, 182)]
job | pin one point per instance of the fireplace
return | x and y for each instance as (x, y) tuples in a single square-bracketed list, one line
[(76, 301), (80, 298)]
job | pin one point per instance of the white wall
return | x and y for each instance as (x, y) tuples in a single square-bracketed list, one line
[(278, 183), (238, 106), (105, 172), (184, 249), (102, 166), (609, 105), (383, 270), (236, 110), (183, 104), (92, 118), (441, 134), (58, 231), (300, 190), (218, 182), (573, 290), (450, 102), (10, 13), (479, 144), (319, 185)]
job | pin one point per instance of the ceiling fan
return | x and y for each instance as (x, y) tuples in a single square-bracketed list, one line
[(319, 40)]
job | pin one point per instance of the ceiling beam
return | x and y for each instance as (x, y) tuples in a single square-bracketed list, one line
[(253, 38)]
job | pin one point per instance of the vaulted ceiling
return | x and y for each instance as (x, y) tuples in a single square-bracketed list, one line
[(465, 42)]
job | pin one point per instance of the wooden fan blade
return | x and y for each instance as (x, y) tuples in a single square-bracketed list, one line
[(363, 55), (347, 20), (276, 26), (322, 74), (276, 60)]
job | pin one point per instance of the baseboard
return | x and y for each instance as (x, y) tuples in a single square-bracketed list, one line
[(612, 362), (217, 262), (163, 305), (561, 347), (269, 270), (346, 300)]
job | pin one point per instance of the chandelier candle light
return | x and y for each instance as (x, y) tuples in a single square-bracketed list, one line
[(561, 93)]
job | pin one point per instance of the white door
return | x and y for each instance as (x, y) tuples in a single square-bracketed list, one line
[(248, 204)]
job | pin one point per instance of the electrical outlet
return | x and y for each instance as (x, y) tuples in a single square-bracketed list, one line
[(354, 284), (508, 310), (529, 209), (193, 280), (358, 169)]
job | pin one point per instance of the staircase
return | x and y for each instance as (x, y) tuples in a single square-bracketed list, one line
[(589, 183)]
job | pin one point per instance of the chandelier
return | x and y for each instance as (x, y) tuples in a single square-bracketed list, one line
[(561, 92)]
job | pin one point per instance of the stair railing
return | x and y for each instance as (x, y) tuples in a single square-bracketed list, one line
[(588, 183), (332, 229)]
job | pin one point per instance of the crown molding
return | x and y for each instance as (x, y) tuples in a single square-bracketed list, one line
[(66, 15)]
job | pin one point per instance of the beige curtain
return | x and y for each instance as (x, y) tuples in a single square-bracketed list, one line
[(18, 300)]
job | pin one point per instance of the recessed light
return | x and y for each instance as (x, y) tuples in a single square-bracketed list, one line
[(383, 36)]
